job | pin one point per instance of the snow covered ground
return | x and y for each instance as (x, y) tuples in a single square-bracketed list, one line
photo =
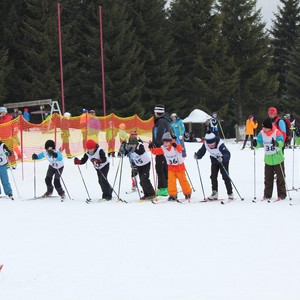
[(75, 251)]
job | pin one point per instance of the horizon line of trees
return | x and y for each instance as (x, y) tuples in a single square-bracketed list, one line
[(207, 54)]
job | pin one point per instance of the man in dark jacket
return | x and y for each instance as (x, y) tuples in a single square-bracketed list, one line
[(161, 125)]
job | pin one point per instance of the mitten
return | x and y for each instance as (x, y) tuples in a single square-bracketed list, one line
[(151, 145), (77, 161), (52, 153), (195, 155), (34, 156), (174, 144), (219, 159)]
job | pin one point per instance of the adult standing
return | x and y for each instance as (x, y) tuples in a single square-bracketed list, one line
[(213, 124), (26, 114), (251, 125), (178, 129), (6, 134), (161, 125), (93, 126)]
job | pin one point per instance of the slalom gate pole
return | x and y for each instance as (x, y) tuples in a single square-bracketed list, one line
[(34, 178), (117, 173), (200, 179), (111, 186), (254, 162), (64, 184), (89, 197), (231, 180), (190, 180), (120, 178), (12, 175)]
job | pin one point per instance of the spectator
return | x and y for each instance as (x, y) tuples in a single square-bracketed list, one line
[(26, 114), (250, 127), (178, 129)]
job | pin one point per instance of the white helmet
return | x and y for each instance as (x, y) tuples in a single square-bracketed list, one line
[(3, 109), (67, 114)]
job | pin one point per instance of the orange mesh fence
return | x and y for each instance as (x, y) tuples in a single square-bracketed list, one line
[(70, 134)]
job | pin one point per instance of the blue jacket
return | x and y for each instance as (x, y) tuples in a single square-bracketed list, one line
[(178, 129)]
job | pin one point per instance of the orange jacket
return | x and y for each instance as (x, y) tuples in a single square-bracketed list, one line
[(160, 151), (250, 126)]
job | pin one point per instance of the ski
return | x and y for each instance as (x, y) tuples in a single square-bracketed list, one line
[(227, 201), (211, 200), (43, 197), (1, 267)]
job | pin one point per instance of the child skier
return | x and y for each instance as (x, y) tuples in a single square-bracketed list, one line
[(136, 152), (176, 167), (56, 166), (220, 157), (101, 164), (4, 153), (273, 141)]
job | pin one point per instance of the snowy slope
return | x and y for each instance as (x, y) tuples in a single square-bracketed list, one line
[(73, 250)]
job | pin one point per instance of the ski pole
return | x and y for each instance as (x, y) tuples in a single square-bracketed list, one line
[(12, 174), (120, 178), (254, 198), (190, 180), (111, 187), (64, 183), (117, 173), (222, 130), (137, 187), (200, 179), (231, 180), (89, 197), (34, 178)]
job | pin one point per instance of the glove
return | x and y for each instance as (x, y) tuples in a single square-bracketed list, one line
[(219, 159), (34, 156), (77, 161), (151, 145), (254, 142), (52, 153), (7, 152), (274, 143), (123, 148), (180, 137), (195, 155), (174, 144), (96, 162)]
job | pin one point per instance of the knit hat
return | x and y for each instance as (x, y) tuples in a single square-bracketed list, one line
[(90, 144), (210, 138), (3, 109), (92, 111), (267, 123), (133, 140), (67, 114), (173, 115), (84, 110), (159, 108), (272, 111), (49, 144), (167, 137), (133, 132)]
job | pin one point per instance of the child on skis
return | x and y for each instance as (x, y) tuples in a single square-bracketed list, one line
[(176, 167), (101, 164), (136, 152), (273, 141), (56, 166), (219, 156), (4, 153)]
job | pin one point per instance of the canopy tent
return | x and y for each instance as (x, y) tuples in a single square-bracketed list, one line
[(196, 116)]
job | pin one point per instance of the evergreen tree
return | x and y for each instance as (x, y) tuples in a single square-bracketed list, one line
[(3, 74), (151, 27), (285, 32), (206, 76), (248, 44)]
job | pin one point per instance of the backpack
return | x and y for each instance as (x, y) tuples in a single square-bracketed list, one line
[(287, 128)]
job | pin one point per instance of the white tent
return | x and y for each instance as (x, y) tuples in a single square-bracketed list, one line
[(197, 116)]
